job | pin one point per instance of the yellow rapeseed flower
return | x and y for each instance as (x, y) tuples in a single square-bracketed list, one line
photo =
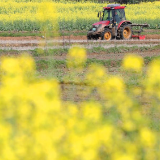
[(147, 137), (114, 84), (96, 74), (152, 82), (76, 57), (132, 62)]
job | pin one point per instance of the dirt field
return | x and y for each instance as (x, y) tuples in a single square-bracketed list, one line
[(32, 42), (148, 36), (72, 92)]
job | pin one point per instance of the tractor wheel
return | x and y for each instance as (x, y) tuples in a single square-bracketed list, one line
[(89, 37), (107, 35), (92, 37), (126, 32)]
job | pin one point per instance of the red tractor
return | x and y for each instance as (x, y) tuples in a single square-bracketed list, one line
[(113, 24)]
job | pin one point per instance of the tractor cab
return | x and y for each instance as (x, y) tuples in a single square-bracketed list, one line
[(113, 13)]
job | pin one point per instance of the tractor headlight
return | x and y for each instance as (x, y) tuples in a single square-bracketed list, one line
[(94, 29)]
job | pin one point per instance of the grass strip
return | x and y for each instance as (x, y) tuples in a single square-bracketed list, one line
[(38, 52), (41, 52), (45, 64), (40, 34)]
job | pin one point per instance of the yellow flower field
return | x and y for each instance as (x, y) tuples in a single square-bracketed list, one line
[(21, 15), (35, 123)]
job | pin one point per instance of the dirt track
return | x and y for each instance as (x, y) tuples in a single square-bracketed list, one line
[(149, 36), (30, 43)]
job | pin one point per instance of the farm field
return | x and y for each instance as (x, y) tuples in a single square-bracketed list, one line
[(66, 98), (26, 22), (30, 16), (110, 54), (111, 57), (53, 64)]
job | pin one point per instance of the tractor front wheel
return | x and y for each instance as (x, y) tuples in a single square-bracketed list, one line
[(126, 32), (93, 37), (89, 37), (107, 35)]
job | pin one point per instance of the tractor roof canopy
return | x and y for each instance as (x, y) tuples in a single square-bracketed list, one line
[(114, 6)]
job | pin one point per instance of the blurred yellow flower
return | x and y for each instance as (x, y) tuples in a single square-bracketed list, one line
[(35, 121), (132, 62), (76, 57), (147, 137), (92, 111), (152, 82), (129, 125), (114, 84), (124, 157), (96, 74)]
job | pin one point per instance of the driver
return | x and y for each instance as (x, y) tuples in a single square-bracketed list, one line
[(116, 18)]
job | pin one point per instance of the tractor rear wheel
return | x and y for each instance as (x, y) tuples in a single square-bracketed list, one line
[(107, 35), (126, 32)]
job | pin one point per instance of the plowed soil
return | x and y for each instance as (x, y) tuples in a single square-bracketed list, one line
[(21, 38), (149, 36), (75, 93)]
